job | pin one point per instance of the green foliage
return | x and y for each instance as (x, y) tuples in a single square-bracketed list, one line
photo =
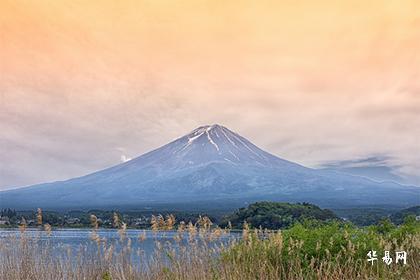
[(334, 244), (106, 276), (365, 216), (398, 218), (275, 215)]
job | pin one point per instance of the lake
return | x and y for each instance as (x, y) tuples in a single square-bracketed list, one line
[(72, 241)]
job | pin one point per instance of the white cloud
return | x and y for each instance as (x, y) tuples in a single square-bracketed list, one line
[(124, 158)]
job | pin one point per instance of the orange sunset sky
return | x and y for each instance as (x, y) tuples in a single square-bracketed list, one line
[(86, 83)]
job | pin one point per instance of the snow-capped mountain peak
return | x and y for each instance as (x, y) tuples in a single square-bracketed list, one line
[(216, 143), (210, 163)]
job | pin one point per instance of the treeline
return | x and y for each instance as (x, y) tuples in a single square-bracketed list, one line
[(269, 215), (371, 216), (81, 219)]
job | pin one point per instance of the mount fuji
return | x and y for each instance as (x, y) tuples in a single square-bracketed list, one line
[(210, 165)]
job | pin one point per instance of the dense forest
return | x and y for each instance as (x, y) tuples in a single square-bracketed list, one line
[(275, 215)]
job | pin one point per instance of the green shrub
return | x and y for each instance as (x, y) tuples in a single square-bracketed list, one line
[(313, 246)]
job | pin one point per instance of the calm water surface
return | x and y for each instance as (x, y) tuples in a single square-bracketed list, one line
[(62, 240)]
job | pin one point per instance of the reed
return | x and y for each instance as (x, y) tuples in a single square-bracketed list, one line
[(201, 251)]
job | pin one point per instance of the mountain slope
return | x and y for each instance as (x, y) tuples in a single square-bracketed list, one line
[(211, 163)]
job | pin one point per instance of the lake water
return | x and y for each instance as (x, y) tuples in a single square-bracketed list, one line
[(76, 240)]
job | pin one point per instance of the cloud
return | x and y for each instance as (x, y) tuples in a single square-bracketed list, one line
[(379, 168), (124, 158)]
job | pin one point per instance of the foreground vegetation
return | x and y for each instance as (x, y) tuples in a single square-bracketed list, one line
[(307, 250)]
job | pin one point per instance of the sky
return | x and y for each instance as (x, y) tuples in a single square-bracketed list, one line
[(85, 85)]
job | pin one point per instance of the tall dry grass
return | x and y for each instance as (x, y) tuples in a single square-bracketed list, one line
[(200, 252)]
